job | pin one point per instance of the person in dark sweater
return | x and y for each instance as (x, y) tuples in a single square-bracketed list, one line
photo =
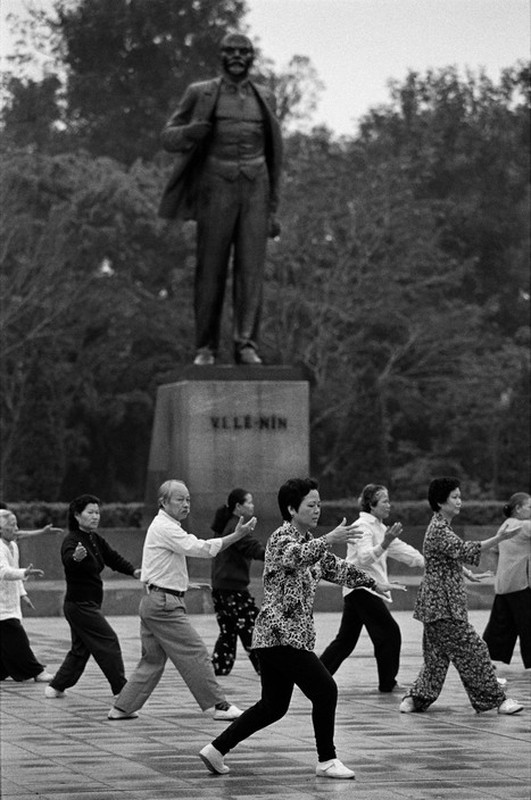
[(234, 606), (84, 554)]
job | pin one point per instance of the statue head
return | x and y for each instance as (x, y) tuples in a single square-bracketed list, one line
[(237, 56)]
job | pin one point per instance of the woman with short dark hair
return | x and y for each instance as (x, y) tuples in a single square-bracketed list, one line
[(442, 607), (284, 634), (85, 553)]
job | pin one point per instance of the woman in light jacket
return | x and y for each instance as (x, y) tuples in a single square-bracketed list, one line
[(510, 617), (363, 606)]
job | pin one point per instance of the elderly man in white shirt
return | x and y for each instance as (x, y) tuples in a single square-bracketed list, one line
[(17, 659), (364, 607), (165, 629)]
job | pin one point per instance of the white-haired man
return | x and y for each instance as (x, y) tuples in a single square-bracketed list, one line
[(17, 659), (165, 629)]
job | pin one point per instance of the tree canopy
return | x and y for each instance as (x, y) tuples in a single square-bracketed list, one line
[(400, 280)]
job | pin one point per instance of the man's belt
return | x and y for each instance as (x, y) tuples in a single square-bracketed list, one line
[(175, 592)]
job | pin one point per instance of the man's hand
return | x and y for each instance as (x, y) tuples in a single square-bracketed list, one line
[(137, 573), (243, 528), (197, 131), (27, 601), (274, 228)]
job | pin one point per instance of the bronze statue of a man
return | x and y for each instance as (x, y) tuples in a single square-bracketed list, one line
[(229, 151)]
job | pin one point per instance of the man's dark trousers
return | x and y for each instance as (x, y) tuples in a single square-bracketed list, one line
[(232, 213)]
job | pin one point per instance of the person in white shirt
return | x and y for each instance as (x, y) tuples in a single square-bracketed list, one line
[(17, 659), (510, 617), (165, 629), (364, 607)]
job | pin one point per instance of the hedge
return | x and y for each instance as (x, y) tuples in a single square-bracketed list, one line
[(129, 515), (113, 515), (415, 512)]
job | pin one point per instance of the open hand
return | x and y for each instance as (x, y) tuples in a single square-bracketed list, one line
[(506, 531), (343, 533), (477, 577), (30, 572), (51, 529), (387, 586), (245, 527), (391, 534)]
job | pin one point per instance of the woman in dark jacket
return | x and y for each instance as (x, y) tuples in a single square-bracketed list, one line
[(84, 554), (234, 606)]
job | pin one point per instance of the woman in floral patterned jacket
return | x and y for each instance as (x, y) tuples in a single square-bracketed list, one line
[(442, 607), (284, 634)]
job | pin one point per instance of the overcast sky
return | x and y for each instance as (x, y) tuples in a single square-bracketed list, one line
[(357, 45)]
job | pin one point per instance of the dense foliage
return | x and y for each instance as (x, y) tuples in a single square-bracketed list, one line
[(399, 281)]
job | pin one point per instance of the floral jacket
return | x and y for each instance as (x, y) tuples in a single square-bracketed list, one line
[(442, 593), (294, 565)]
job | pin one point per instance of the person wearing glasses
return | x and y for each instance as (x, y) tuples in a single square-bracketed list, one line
[(165, 629)]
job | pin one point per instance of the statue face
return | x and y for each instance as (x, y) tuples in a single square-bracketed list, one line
[(237, 55)]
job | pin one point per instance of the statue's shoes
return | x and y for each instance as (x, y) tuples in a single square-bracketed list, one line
[(204, 358), (247, 355)]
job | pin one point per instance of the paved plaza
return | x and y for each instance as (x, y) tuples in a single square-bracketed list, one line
[(67, 749)]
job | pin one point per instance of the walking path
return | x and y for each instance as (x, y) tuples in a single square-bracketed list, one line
[(68, 750)]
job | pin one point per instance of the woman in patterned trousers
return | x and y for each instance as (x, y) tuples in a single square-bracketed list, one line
[(442, 606), (235, 608)]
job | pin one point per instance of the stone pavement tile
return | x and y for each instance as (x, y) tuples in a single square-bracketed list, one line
[(445, 754)]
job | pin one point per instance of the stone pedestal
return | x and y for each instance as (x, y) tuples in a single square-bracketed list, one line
[(217, 428)]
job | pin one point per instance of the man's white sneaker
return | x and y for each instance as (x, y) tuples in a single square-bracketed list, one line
[(502, 682), (333, 769), (509, 707), (115, 713), (43, 677), (213, 760), (50, 693), (229, 713), (407, 706)]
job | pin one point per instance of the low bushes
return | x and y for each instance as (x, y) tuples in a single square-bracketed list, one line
[(129, 515)]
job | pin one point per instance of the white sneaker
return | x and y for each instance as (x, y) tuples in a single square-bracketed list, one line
[(333, 769), (232, 712), (115, 713), (50, 693), (502, 682), (407, 706), (43, 677), (213, 760), (509, 707)]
